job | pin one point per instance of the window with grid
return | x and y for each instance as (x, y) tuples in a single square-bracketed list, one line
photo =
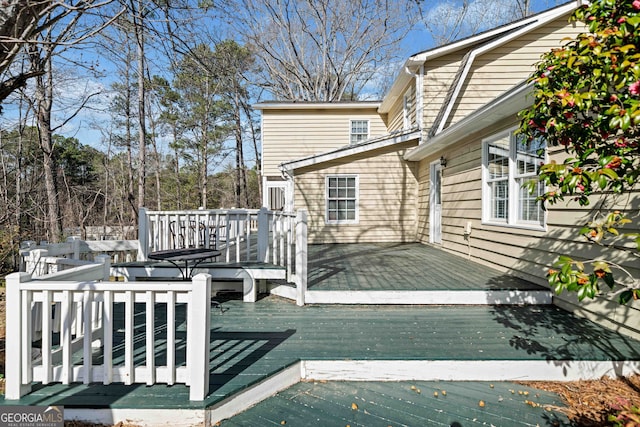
[(359, 131), (509, 164), (342, 199)]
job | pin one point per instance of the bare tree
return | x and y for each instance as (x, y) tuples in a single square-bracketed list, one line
[(320, 50), (138, 11), (454, 20), (21, 24)]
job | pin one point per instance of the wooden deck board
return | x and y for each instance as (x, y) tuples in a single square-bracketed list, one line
[(253, 341), (399, 403), (401, 267)]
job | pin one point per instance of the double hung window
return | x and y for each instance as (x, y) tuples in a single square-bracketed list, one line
[(359, 131), (342, 199), (509, 164)]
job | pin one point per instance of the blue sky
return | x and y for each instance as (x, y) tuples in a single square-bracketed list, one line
[(83, 126)]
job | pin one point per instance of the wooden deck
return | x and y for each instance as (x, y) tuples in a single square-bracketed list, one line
[(401, 267), (251, 343), (258, 349), (410, 273), (416, 403)]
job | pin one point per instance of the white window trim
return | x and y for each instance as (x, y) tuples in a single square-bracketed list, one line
[(513, 188), (351, 127), (326, 199)]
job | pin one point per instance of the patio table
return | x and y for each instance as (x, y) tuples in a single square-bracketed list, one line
[(191, 257)]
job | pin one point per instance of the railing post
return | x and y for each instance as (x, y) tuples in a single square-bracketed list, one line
[(143, 234), (13, 344), (263, 233), (105, 260), (74, 242), (301, 256), (37, 265), (198, 336)]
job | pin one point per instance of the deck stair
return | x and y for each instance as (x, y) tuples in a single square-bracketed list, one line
[(262, 348), (473, 348)]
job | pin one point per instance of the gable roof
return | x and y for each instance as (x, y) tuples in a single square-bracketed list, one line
[(476, 44)]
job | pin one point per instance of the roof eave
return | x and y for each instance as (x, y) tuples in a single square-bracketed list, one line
[(375, 144), (547, 15), (316, 105), (415, 61)]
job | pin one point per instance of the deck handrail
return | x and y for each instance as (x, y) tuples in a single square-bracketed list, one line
[(242, 235), (92, 304), (46, 258)]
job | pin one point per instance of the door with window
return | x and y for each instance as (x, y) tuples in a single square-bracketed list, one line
[(435, 204)]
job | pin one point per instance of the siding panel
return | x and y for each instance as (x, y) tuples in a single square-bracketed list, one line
[(387, 199), (505, 66), (294, 134), (522, 252)]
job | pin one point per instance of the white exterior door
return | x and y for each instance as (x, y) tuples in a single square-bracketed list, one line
[(435, 204)]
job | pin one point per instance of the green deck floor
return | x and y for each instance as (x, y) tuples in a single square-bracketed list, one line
[(417, 403), (252, 341), (401, 267)]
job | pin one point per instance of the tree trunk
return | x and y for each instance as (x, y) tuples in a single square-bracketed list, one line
[(142, 132), (241, 175), (44, 97), (129, 135), (156, 161), (254, 138), (177, 167)]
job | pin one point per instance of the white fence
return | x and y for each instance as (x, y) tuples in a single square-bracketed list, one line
[(46, 258), (275, 237), (87, 314)]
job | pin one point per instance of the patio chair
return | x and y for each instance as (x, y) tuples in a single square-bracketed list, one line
[(177, 235)]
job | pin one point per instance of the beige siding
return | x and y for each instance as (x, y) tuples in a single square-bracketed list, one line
[(294, 134), (498, 70), (396, 114), (525, 253), (439, 76), (387, 198)]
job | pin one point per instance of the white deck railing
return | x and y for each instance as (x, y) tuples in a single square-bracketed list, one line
[(274, 237), (46, 258), (85, 312)]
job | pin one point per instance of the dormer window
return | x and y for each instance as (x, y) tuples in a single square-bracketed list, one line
[(359, 131)]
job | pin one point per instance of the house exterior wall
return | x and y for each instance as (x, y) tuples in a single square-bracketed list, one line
[(505, 66), (387, 198), (396, 113), (294, 134), (439, 75), (523, 252)]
